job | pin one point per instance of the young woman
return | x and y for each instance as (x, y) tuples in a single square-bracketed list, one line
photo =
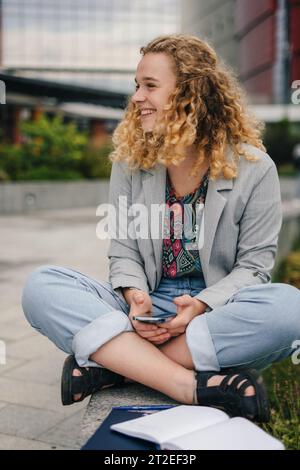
[(186, 142)]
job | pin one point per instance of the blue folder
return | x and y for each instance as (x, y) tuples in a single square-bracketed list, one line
[(106, 439)]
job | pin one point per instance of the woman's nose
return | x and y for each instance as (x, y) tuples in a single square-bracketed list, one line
[(138, 95)]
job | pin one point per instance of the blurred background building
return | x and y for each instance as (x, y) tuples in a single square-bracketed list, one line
[(72, 55), (260, 39), (79, 58), (91, 42)]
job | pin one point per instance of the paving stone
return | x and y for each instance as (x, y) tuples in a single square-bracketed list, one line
[(31, 348), (11, 364), (8, 442), (44, 397), (9, 312), (66, 433), (28, 422), (44, 370), (25, 393), (15, 331)]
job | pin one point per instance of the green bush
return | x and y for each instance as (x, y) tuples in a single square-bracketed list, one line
[(53, 150), (3, 175), (95, 163), (46, 173), (287, 170), (11, 161), (280, 139), (291, 269)]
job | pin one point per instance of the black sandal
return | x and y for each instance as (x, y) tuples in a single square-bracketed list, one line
[(230, 397), (91, 381)]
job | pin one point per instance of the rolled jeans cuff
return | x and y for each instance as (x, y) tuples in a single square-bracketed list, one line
[(98, 332), (201, 345)]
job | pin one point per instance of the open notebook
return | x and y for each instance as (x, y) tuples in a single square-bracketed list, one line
[(198, 428)]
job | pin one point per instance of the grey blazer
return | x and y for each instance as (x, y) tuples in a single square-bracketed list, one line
[(242, 221)]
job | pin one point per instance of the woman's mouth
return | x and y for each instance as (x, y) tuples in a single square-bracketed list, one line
[(147, 113)]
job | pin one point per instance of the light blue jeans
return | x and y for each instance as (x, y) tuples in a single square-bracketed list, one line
[(256, 327)]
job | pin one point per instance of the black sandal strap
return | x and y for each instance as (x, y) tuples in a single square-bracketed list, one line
[(231, 398), (93, 379), (203, 377), (238, 378), (244, 387), (78, 385), (224, 384), (236, 383)]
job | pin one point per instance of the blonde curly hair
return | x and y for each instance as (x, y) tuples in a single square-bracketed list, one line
[(206, 109)]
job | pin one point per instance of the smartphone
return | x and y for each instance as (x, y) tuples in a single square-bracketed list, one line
[(157, 319)]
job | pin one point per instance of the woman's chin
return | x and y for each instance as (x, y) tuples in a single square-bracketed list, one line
[(147, 127), (151, 128)]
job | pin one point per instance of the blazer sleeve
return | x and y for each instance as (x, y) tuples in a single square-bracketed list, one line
[(257, 242), (126, 267)]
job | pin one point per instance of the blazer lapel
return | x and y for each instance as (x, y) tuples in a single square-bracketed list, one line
[(214, 206)]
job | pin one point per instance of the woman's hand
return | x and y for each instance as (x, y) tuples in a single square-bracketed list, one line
[(141, 304), (187, 308)]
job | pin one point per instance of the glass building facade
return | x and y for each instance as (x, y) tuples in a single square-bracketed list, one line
[(91, 38)]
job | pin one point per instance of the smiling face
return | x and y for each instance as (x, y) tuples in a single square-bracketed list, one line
[(155, 81)]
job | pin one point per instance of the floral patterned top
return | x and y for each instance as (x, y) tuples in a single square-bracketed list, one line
[(178, 258)]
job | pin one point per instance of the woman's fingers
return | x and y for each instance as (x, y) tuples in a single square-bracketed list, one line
[(158, 343), (143, 326), (141, 303), (157, 334), (175, 324), (153, 334), (176, 331), (160, 339), (183, 299)]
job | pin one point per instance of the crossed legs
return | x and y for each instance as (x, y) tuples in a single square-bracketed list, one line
[(64, 304), (146, 364), (143, 362)]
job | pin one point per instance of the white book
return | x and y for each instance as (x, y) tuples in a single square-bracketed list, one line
[(187, 427)]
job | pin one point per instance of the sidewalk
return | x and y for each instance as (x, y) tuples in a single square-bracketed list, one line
[(31, 414)]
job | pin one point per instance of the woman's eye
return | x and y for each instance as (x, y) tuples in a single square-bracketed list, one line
[(150, 85)]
